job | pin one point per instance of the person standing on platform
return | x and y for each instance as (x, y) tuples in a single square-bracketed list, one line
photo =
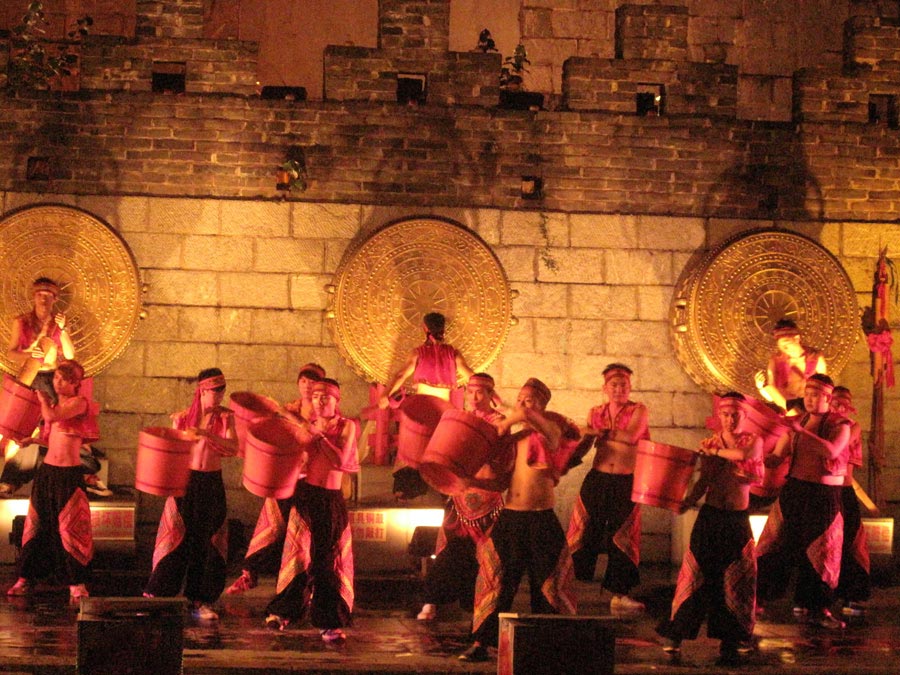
[(192, 540), (436, 369), (789, 367), (57, 539), (854, 586), (717, 581), (317, 562), (468, 519), (527, 536), (267, 542), (604, 518), (805, 528)]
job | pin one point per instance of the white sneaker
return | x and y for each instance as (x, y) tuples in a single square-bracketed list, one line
[(428, 613), (622, 603), (203, 612)]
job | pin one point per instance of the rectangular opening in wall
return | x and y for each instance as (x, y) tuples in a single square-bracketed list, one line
[(649, 100), (168, 77), (883, 110), (411, 88), (37, 168)]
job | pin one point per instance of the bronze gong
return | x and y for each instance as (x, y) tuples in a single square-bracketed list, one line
[(725, 306), (385, 285), (100, 288)]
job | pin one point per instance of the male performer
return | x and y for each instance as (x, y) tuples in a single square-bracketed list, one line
[(267, 541), (192, 540), (527, 536), (39, 337), (717, 580), (790, 366), (604, 517), (317, 562), (468, 518), (435, 368), (805, 528), (854, 585), (57, 538)]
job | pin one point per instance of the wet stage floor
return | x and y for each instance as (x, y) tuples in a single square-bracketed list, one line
[(38, 635)]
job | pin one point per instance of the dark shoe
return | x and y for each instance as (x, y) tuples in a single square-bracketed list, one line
[(475, 654), (671, 646), (729, 656), (826, 620)]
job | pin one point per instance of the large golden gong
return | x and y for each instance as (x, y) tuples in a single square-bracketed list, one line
[(387, 283), (100, 288), (724, 307)]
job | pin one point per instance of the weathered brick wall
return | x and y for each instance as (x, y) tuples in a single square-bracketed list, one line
[(873, 41), (389, 154), (414, 25), (212, 66), (170, 18), (453, 78), (611, 85), (652, 32)]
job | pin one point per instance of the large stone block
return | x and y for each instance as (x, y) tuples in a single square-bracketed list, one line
[(125, 214), (289, 255), (161, 324), (254, 290), (130, 363), (140, 395), (549, 368), (552, 336), (603, 231), (654, 302), (585, 337), (670, 234), (541, 300), (521, 336), (571, 266), (230, 254), (633, 267), (253, 363), (664, 374), (586, 372), (659, 407), (637, 338), (326, 221), (161, 251), (286, 327), (518, 263), (600, 301), (691, 410), (308, 291), (215, 324), (176, 287), (179, 359), (531, 228), (256, 219), (183, 216)]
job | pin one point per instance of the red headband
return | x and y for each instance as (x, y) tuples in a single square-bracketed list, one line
[(785, 332), (541, 390), (485, 381), (328, 388), (46, 286), (824, 386), (213, 382), (616, 372), (727, 402)]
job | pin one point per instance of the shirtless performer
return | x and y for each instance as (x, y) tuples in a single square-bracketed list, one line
[(854, 586), (717, 581), (527, 536), (53, 544), (805, 528), (790, 366), (468, 519), (264, 551), (192, 540), (317, 562), (604, 517)]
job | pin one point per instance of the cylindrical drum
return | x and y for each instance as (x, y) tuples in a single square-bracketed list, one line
[(272, 458), (20, 410), (762, 420), (249, 408), (163, 461), (661, 474), (419, 417), (459, 447)]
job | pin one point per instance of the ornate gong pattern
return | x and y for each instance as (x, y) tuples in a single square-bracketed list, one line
[(724, 308), (385, 285), (100, 288)]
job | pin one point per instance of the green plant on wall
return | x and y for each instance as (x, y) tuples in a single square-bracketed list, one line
[(544, 252), (513, 68), (35, 62)]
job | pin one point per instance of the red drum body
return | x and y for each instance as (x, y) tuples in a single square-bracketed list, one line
[(460, 446), (419, 417), (163, 461), (272, 458), (249, 408), (770, 425), (20, 410), (661, 474)]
